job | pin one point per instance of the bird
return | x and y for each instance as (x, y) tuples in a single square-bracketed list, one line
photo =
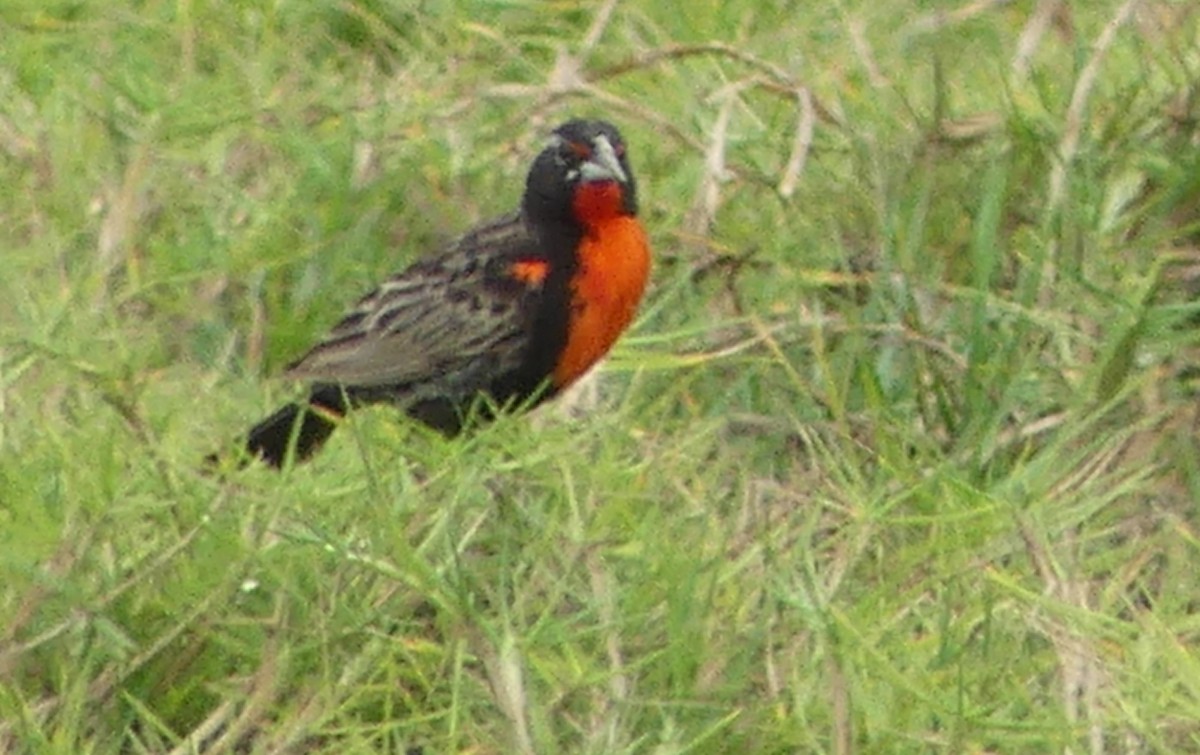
[(506, 316)]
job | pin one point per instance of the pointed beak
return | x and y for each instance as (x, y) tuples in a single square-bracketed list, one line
[(603, 165)]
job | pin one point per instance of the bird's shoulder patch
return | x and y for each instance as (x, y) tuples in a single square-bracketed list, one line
[(531, 272)]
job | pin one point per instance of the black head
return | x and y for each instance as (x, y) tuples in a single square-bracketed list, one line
[(581, 153)]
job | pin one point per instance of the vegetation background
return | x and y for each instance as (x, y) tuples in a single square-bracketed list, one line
[(901, 454)]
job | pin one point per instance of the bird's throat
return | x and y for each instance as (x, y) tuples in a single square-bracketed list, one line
[(596, 202), (613, 265)]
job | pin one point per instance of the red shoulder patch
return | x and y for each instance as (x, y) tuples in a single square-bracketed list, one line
[(531, 272)]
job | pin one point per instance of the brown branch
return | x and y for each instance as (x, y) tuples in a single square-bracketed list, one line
[(1031, 36), (1069, 144)]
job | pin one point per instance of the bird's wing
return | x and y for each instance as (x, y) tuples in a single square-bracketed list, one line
[(447, 324)]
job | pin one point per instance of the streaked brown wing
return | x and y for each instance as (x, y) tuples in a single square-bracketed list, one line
[(450, 323)]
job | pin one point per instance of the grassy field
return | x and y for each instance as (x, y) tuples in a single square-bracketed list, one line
[(900, 456)]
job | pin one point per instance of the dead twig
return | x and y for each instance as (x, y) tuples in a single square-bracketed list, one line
[(1031, 36), (596, 30), (777, 79), (931, 22), (858, 38), (801, 144), (708, 194), (1069, 144)]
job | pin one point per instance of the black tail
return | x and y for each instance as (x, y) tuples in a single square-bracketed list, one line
[(310, 424)]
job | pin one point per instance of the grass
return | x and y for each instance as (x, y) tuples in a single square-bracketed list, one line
[(900, 455)]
